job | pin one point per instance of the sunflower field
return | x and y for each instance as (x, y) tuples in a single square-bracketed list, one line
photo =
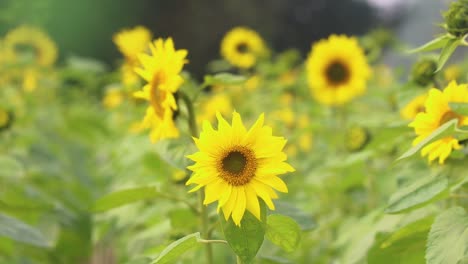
[(330, 156)]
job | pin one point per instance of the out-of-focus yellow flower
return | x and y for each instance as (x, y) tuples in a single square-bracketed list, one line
[(414, 107), (113, 98), (438, 112), (288, 78), (238, 166), (303, 121), (218, 103), (286, 99), (305, 142), (291, 150), (242, 47), (179, 175), (161, 70), (285, 115), (383, 75), (452, 73), (130, 43), (337, 70), (30, 77), (253, 82), (31, 46)]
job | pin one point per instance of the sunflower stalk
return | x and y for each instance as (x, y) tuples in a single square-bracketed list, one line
[(201, 196)]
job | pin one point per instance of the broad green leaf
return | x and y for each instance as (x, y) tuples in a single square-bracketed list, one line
[(124, 197), (418, 194), (246, 239), (10, 167), (177, 248), (405, 246), (224, 79), (444, 130), (459, 108), (305, 220), (19, 231), (448, 238), (446, 52), (283, 231), (437, 43)]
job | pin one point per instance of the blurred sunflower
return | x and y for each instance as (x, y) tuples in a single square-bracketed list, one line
[(452, 73), (113, 98), (438, 112), (130, 43), (237, 166), (337, 70), (414, 107), (218, 103), (27, 44), (161, 70), (242, 47)]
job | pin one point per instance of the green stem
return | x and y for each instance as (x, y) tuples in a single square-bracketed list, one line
[(201, 195)]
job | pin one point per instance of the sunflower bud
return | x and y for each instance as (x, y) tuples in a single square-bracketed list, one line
[(456, 18), (357, 138), (423, 71), (6, 119)]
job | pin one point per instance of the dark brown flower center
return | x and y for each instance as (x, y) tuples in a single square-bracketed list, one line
[(237, 165), (337, 73), (449, 115), (242, 47)]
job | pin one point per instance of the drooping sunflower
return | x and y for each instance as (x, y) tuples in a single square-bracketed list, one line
[(237, 166), (437, 112), (130, 43), (161, 70), (337, 70), (242, 47), (27, 44), (414, 107)]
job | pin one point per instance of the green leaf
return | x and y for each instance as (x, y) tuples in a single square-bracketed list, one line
[(448, 238), (447, 51), (124, 197), (406, 245), (11, 168), (177, 248), (418, 194), (444, 130), (459, 108), (283, 231), (174, 152), (224, 79), (19, 231), (246, 239), (437, 43), (305, 220)]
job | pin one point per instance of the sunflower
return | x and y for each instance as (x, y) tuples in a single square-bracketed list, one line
[(161, 70), (237, 166), (242, 47), (437, 112), (337, 70), (356, 138), (414, 107), (113, 98), (29, 44), (130, 43), (217, 103)]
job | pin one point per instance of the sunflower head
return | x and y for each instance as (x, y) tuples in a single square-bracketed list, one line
[(161, 69), (456, 18), (237, 166), (356, 138), (423, 71), (132, 42), (242, 47), (414, 107), (30, 45), (337, 70), (113, 98), (438, 112)]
